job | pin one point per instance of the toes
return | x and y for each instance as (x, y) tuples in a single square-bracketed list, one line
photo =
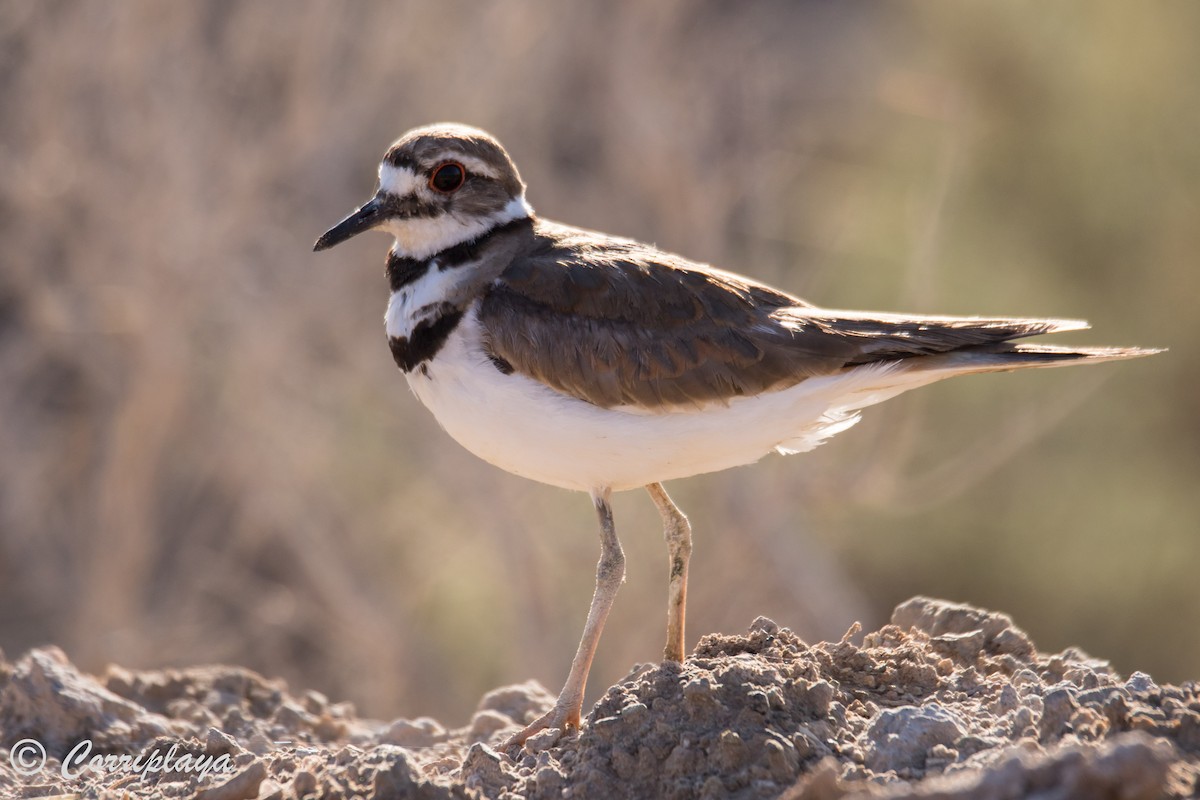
[(545, 731)]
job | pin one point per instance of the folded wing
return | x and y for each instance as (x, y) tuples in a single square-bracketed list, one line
[(622, 323)]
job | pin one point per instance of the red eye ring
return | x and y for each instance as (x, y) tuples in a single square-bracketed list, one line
[(447, 177)]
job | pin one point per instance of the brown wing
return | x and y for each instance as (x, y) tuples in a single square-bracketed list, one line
[(614, 322)]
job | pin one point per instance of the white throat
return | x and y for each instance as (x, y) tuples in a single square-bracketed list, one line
[(422, 237)]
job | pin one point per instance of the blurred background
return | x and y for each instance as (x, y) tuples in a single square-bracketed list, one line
[(207, 455)]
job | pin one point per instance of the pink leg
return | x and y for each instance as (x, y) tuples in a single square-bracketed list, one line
[(678, 533), (610, 573)]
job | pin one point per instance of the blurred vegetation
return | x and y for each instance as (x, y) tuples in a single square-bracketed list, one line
[(208, 455)]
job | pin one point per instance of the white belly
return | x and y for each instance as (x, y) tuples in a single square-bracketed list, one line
[(524, 427)]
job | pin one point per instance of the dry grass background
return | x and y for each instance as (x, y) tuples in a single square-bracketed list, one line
[(207, 454)]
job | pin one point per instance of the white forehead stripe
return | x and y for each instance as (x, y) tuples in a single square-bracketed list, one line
[(399, 181)]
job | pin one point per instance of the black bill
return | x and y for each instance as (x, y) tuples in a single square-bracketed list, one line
[(368, 216)]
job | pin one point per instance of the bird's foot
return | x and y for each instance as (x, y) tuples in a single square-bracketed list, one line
[(561, 719)]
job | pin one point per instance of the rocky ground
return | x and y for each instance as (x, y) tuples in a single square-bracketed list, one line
[(947, 701)]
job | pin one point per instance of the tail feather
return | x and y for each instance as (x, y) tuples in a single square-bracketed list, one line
[(960, 345), (909, 364), (878, 336), (1007, 356), (873, 383)]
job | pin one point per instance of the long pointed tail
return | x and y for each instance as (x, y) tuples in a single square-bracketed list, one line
[(882, 380), (1006, 356)]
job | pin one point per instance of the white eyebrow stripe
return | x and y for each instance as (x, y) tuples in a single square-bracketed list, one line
[(473, 165)]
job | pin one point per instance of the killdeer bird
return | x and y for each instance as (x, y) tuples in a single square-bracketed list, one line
[(601, 364)]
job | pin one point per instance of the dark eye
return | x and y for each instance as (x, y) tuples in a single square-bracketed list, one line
[(447, 177)]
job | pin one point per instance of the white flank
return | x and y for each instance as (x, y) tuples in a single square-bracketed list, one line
[(523, 426)]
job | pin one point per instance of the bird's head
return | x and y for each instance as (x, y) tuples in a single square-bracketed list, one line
[(439, 186)]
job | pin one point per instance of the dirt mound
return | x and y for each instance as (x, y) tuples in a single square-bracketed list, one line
[(948, 701)]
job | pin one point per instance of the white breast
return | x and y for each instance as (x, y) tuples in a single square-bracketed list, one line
[(523, 426)]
